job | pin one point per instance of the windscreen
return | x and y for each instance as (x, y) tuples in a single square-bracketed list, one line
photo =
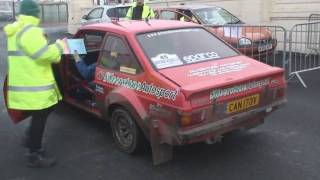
[(178, 47), (216, 16)]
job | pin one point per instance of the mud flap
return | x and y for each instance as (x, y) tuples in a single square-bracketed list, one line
[(161, 152)]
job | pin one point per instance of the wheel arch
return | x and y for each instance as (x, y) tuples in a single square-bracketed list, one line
[(130, 102)]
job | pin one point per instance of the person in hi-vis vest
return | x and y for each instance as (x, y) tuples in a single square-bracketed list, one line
[(139, 10), (188, 17), (31, 84)]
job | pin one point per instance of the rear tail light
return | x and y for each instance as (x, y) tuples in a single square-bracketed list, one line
[(188, 119)]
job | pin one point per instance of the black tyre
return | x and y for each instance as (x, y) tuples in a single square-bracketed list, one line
[(126, 132)]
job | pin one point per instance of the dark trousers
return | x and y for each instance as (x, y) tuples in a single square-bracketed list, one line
[(36, 129)]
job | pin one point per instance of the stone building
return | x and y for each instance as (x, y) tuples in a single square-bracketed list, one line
[(266, 12)]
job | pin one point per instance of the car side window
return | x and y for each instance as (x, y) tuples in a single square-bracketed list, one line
[(122, 11), (117, 56), (118, 12), (168, 15), (111, 12), (93, 40), (96, 13)]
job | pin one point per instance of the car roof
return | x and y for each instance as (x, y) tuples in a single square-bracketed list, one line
[(190, 6), (135, 26), (108, 6)]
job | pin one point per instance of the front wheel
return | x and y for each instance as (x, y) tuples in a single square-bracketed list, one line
[(126, 133)]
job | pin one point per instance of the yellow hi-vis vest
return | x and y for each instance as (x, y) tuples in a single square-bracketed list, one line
[(31, 83), (147, 12)]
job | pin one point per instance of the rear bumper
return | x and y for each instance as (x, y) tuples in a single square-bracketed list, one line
[(217, 128)]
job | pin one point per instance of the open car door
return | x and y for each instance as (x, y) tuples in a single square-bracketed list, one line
[(15, 115)]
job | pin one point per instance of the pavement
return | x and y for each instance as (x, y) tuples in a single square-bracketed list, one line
[(286, 147)]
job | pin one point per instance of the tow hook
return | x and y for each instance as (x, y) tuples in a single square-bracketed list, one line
[(214, 140)]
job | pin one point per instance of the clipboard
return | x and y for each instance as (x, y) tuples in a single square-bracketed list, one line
[(75, 45)]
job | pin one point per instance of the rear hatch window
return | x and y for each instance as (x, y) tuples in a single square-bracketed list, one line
[(179, 47)]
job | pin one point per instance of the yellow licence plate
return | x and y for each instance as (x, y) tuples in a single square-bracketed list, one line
[(242, 104)]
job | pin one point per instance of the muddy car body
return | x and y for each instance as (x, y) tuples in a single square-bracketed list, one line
[(149, 83), (253, 41)]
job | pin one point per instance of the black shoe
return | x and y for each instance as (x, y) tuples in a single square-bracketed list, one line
[(37, 160), (26, 144)]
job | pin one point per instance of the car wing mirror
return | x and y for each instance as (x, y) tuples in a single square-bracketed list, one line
[(85, 17)]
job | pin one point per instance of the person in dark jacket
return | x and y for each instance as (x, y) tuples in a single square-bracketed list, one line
[(86, 71)]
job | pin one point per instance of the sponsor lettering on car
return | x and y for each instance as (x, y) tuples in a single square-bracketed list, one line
[(238, 89), (148, 88), (200, 57), (219, 69)]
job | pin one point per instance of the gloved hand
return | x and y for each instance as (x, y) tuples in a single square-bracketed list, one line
[(62, 43), (76, 56)]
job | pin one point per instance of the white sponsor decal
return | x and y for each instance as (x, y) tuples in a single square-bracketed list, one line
[(128, 70), (216, 69), (99, 89), (199, 101), (140, 86), (200, 57), (166, 60), (238, 89), (150, 35)]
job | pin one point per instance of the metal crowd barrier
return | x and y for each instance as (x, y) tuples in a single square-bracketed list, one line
[(266, 43), (313, 36), (54, 12), (304, 49), (50, 12), (7, 11), (297, 53), (314, 17)]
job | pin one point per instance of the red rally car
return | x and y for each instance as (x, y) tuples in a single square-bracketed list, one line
[(170, 83)]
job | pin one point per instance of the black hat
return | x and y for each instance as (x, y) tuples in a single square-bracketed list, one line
[(29, 8)]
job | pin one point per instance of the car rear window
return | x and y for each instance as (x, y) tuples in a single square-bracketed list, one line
[(178, 47), (118, 12)]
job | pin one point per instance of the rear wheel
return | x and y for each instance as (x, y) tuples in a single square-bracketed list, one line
[(126, 132)]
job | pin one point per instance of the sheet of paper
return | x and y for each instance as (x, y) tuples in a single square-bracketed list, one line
[(166, 60), (76, 44)]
